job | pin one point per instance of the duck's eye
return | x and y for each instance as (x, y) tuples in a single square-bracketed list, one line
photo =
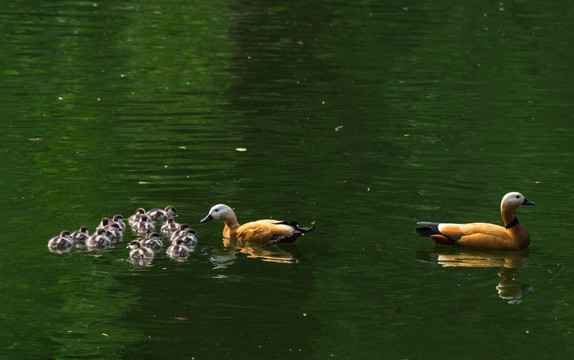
[(518, 196), (216, 210)]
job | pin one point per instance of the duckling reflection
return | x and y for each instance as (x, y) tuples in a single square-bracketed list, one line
[(510, 262), (231, 247)]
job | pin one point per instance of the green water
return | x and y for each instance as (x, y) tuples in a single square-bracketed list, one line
[(360, 117)]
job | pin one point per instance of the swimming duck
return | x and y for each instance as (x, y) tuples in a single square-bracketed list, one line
[(178, 249), (169, 227), (261, 231), (138, 251), (511, 236), (103, 223), (179, 232), (99, 238), (119, 219), (136, 217), (63, 240), (189, 238), (113, 231), (80, 236), (143, 225), (153, 241), (159, 214)]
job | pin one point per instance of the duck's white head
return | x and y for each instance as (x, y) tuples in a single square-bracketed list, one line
[(513, 200), (219, 212)]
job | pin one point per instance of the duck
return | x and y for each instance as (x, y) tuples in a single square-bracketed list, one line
[(265, 231), (138, 251), (136, 217), (99, 238), (103, 223), (143, 225), (61, 241), (169, 227), (484, 236), (182, 230), (80, 236), (159, 214), (113, 231), (119, 219), (189, 238), (153, 241), (178, 249)]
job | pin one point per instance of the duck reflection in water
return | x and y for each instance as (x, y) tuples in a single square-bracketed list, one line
[(510, 262), (231, 247)]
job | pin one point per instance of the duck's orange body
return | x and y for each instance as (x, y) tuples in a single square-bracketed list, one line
[(265, 231), (511, 236)]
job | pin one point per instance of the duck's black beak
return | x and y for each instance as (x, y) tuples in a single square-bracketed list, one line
[(528, 202), (207, 218)]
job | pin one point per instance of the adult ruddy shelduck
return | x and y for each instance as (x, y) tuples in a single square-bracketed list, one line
[(261, 231), (511, 236)]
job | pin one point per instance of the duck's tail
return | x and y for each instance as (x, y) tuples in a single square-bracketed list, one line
[(431, 230)]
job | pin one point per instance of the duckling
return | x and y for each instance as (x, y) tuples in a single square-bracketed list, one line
[(99, 238), (169, 227), (138, 251), (143, 226), (189, 238), (261, 231), (136, 217), (511, 236), (180, 232), (153, 241), (61, 241), (103, 223), (178, 249), (159, 214), (119, 219), (80, 236), (113, 231)]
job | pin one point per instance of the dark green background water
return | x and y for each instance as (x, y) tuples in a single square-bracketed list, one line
[(363, 117)]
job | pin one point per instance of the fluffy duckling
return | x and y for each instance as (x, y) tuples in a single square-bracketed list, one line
[(511, 236), (260, 231), (159, 214), (178, 249), (153, 241), (169, 227), (189, 238), (138, 251), (143, 226), (99, 238), (119, 219), (113, 231), (136, 217), (180, 232), (61, 241), (80, 236), (103, 223)]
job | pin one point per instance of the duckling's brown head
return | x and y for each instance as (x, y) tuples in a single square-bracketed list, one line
[(219, 212)]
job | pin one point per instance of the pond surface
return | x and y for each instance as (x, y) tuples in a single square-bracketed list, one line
[(359, 117)]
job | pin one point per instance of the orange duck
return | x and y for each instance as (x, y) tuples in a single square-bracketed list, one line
[(261, 231), (511, 236)]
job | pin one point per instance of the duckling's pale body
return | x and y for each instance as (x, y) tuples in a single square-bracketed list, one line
[(143, 226), (99, 238), (169, 227), (136, 217), (153, 241), (178, 249), (159, 214), (80, 236), (262, 231), (189, 238), (511, 236), (138, 251), (61, 241), (119, 219)]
